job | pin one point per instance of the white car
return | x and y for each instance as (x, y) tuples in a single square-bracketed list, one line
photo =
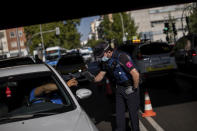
[(20, 110), (86, 53)]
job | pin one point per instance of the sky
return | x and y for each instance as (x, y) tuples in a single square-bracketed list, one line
[(84, 27)]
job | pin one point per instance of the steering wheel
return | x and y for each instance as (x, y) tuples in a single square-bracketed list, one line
[(42, 99)]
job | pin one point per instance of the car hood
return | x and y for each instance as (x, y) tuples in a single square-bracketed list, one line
[(76, 120)]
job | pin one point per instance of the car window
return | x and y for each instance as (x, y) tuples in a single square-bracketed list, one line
[(153, 49), (32, 93)]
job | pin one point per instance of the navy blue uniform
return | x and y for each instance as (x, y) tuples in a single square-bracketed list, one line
[(120, 65)]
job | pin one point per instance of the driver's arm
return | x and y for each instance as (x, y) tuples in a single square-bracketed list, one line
[(44, 89), (49, 87)]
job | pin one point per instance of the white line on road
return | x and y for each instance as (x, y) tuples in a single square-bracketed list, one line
[(142, 127), (153, 123)]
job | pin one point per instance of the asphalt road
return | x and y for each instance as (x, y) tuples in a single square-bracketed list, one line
[(174, 99)]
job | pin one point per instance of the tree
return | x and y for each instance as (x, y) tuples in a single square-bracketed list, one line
[(1, 36), (93, 42), (69, 36), (193, 21), (112, 30)]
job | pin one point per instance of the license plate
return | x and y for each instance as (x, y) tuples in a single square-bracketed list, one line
[(159, 68)]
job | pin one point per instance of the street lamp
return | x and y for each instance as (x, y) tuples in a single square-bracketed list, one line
[(42, 37), (57, 30), (123, 36)]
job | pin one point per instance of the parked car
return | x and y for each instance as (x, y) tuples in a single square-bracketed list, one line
[(19, 113), (72, 65), (152, 59), (185, 51)]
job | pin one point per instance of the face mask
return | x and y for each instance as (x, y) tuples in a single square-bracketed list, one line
[(105, 58)]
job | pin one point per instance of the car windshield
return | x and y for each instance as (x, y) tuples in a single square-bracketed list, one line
[(29, 94), (52, 55), (156, 48)]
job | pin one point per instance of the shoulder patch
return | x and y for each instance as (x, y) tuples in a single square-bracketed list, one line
[(129, 64)]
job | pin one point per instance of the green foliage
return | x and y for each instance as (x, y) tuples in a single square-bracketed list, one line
[(193, 21), (180, 44), (69, 36), (113, 30), (93, 42)]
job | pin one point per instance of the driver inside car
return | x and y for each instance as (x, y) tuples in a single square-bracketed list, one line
[(46, 92)]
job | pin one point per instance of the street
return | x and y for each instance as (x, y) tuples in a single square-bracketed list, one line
[(173, 99)]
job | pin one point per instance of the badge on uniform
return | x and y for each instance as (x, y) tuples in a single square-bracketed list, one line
[(129, 64)]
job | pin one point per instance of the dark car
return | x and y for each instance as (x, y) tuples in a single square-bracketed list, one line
[(186, 51), (16, 61), (72, 65)]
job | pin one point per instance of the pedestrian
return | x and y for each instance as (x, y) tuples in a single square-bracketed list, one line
[(127, 83)]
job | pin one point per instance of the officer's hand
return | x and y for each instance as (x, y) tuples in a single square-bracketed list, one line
[(88, 76), (72, 82)]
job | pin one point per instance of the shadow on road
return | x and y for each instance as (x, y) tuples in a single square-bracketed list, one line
[(163, 91), (169, 91)]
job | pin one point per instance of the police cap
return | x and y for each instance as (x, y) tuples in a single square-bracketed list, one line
[(100, 49)]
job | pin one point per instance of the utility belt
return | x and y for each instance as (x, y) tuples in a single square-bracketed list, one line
[(126, 83), (129, 89)]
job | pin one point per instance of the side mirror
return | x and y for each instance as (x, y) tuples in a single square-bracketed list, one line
[(83, 93)]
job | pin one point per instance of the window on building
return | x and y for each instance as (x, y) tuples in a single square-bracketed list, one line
[(20, 33), (13, 44), (12, 34)]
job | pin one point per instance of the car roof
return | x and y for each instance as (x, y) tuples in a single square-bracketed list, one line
[(151, 43), (54, 48), (23, 69)]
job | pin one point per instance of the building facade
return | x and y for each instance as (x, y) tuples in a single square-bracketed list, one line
[(3, 43), (94, 34), (16, 41), (151, 21)]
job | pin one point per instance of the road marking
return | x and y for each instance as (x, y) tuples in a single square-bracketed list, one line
[(142, 127), (186, 75), (153, 123)]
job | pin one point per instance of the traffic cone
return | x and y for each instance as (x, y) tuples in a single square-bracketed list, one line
[(108, 88), (148, 111)]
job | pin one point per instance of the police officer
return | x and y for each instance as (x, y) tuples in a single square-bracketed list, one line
[(127, 83)]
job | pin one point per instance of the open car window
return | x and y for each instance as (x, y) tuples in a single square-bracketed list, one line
[(18, 97)]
